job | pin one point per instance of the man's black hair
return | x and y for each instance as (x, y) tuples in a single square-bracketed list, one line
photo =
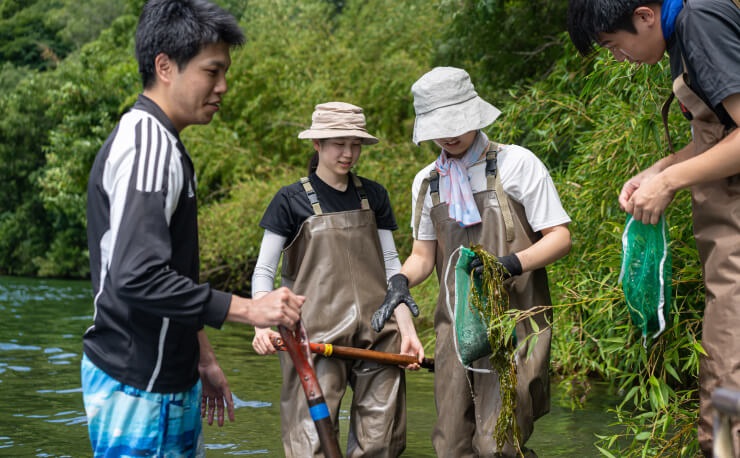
[(180, 29), (589, 18)]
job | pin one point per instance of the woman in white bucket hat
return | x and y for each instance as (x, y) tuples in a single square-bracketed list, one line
[(333, 230), (502, 198)]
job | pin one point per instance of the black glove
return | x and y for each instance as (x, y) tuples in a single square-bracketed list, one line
[(511, 264), (398, 293)]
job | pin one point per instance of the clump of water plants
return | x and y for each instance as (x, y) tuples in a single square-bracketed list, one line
[(491, 300)]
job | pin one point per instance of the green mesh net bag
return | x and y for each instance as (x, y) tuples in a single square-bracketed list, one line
[(471, 330), (646, 275), (481, 303), (483, 328)]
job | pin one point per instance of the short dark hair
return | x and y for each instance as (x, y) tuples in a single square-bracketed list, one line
[(589, 18), (180, 29)]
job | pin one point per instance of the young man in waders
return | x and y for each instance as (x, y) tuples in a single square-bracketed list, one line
[(334, 232), (148, 371), (501, 197), (702, 38)]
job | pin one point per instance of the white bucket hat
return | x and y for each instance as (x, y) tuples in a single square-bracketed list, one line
[(338, 119), (447, 105)]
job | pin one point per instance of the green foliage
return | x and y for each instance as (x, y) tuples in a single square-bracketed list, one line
[(52, 125), (19, 148), (24, 226), (597, 124), (8, 8), (27, 38), (278, 77), (40, 34), (66, 256), (100, 82), (502, 42), (81, 22), (10, 76), (282, 72), (77, 106), (23, 234), (104, 80), (594, 122)]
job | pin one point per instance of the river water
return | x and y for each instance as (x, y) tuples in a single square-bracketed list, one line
[(41, 411)]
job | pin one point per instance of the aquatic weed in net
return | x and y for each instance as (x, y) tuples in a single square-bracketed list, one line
[(491, 300)]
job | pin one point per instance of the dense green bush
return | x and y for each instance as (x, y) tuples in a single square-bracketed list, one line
[(100, 83), (25, 228), (27, 38), (501, 42), (53, 124), (596, 124), (275, 82)]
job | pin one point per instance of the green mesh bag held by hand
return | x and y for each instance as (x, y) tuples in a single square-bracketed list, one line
[(646, 275), (471, 332)]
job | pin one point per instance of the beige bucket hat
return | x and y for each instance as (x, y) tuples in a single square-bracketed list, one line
[(338, 119), (447, 105)]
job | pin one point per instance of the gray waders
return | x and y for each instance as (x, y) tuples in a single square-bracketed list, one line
[(716, 218), (466, 419), (337, 263)]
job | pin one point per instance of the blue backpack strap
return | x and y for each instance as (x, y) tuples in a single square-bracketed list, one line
[(312, 197)]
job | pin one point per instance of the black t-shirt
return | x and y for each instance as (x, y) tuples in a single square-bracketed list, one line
[(290, 207), (708, 36)]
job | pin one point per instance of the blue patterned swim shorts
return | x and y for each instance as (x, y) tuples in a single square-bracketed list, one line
[(124, 421)]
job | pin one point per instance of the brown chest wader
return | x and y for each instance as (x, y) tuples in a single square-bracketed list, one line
[(466, 421), (716, 219), (336, 261)]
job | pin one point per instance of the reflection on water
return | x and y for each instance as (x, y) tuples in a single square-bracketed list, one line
[(41, 324)]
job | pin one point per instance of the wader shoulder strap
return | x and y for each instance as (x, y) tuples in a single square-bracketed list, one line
[(665, 109), (667, 104), (312, 197), (432, 181), (434, 187), (364, 204), (664, 114), (493, 183)]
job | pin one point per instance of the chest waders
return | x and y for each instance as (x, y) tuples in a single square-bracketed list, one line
[(466, 421), (716, 219), (337, 263)]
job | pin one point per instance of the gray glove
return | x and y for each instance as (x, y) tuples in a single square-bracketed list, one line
[(398, 293), (510, 262)]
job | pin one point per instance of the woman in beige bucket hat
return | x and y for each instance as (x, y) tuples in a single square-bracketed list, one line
[(502, 198), (334, 231)]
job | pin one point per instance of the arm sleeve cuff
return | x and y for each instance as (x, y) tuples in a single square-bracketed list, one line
[(263, 278), (217, 308), (390, 254)]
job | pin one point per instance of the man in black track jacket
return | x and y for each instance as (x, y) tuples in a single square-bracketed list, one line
[(147, 360), (702, 40)]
